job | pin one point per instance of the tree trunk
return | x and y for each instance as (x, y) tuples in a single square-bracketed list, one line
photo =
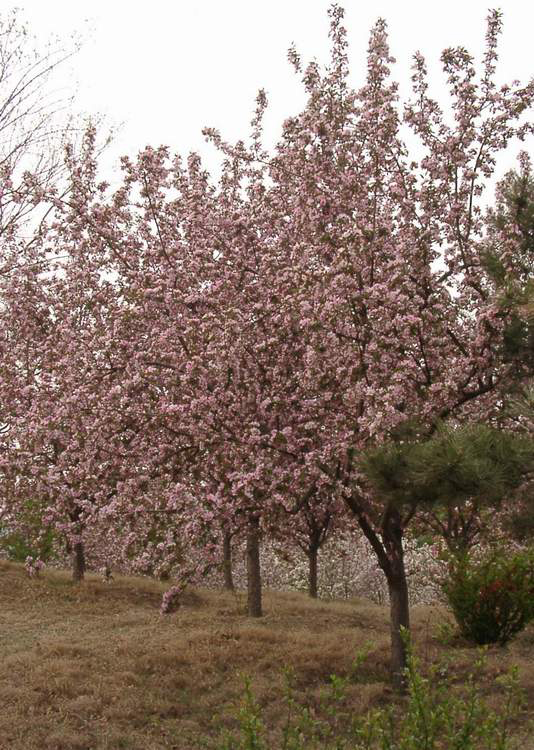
[(253, 569), (398, 599), (78, 562), (227, 562), (400, 619), (312, 571), (389, 551)]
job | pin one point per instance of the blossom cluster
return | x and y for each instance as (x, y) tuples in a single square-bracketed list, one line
[(170, 600)]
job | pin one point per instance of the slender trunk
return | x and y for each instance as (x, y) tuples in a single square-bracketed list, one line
[(312, 571), (253, 569), (78, 562), (400, 619), (389, 551), (227, 562), (395, 571)]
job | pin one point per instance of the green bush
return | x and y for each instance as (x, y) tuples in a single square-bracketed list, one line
[(492, 599), (19, 546), (434, 717)]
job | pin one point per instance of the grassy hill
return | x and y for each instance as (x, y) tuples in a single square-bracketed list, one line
[(96, 666)]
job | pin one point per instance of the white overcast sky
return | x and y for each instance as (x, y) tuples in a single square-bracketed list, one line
[(163, 69)]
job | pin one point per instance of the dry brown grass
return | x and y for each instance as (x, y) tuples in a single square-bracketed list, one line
[(97, 667)]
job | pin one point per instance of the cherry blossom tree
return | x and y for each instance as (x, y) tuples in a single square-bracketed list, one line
[(57, 312), (374, 315)]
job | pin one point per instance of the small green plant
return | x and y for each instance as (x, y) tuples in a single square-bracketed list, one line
[(359, 658), (434, 717), (251, 726), (446, 633), (492, 599)]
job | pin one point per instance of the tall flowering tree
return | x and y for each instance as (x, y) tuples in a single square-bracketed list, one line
[(200, 405), (57, 370), (159, 237), (373, 316)]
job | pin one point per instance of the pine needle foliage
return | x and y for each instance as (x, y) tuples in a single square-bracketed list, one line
[(455, 465)]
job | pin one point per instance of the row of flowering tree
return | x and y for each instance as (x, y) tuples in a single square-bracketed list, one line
[(223, 356)]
